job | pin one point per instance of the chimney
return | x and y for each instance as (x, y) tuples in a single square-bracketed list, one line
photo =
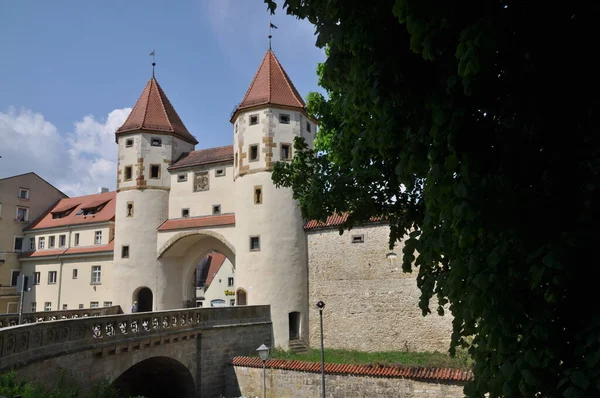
[(102, 190)]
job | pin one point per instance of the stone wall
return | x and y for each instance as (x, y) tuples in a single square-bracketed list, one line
[(281, 383), (371, 305)]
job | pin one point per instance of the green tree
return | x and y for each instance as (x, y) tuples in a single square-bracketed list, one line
[(470, 126)]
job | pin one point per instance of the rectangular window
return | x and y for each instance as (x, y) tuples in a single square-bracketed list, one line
[(51, 241), (65, 306), (253, 120), (18, 245), (98, 239), (284, 118), (156, 141), (155, 171), (23, 193), (32, 244), (96, 274), (14, 277), (128, 143), (254, 243), (76, 239), (181, 177), (219, 172), (62, 240), (185, 213), (47, 306), (358, 238), (80, 306), (93, 304), (229, 281), (33, 306), (75, 272), (236, 160), (124, 251), (129, 209), (216, 209), (286, 152), (258, 194), (308, 127), (128, 173), (22, 214), (253, 152), (36, 278), (108, 303), (51, 277), (42, 243)]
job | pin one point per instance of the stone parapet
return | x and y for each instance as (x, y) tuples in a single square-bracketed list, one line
[(33, 317)]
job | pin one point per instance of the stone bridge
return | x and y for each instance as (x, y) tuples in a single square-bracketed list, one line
[(177, 353)]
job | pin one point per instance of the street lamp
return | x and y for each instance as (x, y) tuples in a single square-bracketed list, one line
[(263, 353), (320, 306)]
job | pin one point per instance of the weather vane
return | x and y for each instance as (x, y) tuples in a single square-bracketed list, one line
[(271, 26), (153, 55)]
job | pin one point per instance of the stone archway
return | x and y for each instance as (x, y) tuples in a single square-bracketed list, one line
[(156, 377), (241, 297), (145, 299)]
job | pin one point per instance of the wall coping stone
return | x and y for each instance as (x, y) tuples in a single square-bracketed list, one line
[(398, 371)]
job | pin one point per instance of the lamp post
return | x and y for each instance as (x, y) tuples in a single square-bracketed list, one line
[(320, 306), (263, 353)]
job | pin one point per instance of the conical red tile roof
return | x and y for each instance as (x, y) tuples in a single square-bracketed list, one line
[(154, 112), (271, 85)]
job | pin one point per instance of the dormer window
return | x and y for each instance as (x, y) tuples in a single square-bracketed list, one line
[(284, 118), (155, 141), (129, 143), (93, 208), (253, 120), (62, 212)]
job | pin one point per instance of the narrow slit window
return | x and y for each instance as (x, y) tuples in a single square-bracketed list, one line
[(129, 209), (236, 160), (308, 128), (253, 152), (253, 120), (219, 172), (358, 238), (286, 153), (154, 171), (76, 239), (181, 177), (125, 252), (257, 195), (128, 173), (75, 273)]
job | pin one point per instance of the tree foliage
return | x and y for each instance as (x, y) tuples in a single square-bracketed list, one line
[(470, 126)]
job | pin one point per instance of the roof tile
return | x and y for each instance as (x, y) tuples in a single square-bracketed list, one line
[(197, 222), (153, 112), (334, 221), (204, 156)]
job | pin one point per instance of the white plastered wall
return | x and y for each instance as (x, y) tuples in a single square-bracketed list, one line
[(220, 285)]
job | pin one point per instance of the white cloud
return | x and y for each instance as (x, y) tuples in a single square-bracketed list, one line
[(77, 162)]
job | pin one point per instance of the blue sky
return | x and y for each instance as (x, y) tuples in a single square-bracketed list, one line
[(70, 71)]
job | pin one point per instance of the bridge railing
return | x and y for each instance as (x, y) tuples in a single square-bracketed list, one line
[(23, 344), (45, 316)]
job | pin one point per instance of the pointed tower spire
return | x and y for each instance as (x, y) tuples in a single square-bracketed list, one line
[(271, 85), (153, 112)]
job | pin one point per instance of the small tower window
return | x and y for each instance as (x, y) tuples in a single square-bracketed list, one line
[(284, 118), (124, 251), (129, 209), (216, 209), (236, 127), (185, 213), (358, 238), (308, 127), (76, 239), (155, 171), (253, 152), (286, 153), (75, 273), (129, 143), (236, 160), (254, 243), (219, 172), (128, 172), (181, 177), (155, 141), (253, 120), (257, 194)]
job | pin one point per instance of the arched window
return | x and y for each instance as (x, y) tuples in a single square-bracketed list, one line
[(241, 297)]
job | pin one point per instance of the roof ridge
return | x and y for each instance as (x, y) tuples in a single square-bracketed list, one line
[(162, 103), (270, 53)]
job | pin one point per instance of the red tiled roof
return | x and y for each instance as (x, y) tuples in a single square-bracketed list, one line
[(334, 221), (216, 261), (271, 85), (81, 202), (72, 250), (204, 156), (411, 372), (198, 222), (153, 112)]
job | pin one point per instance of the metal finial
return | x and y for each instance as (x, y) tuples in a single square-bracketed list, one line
[(270, 41), (153, 65)]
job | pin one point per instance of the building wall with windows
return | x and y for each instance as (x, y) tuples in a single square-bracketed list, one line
[(23, 199), (221, 290)]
